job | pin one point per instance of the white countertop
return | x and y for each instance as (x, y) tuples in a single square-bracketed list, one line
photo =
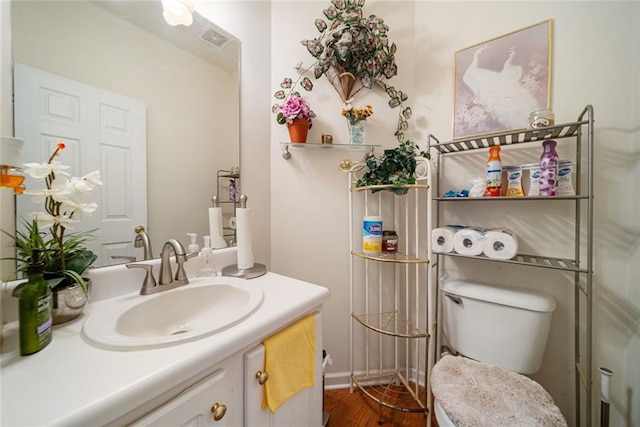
[(71, 382)]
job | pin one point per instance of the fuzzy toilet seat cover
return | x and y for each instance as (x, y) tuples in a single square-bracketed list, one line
[(476, 394)]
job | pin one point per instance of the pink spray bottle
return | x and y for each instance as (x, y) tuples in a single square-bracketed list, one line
[(548, 168)]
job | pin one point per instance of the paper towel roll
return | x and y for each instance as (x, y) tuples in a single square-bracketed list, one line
[(500, 244), (442, 238), (468, 241), (215, 228), (244, 239)]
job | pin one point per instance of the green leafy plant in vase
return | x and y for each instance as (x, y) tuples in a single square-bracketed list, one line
[(353, 52), (63, 252), (396, 167)]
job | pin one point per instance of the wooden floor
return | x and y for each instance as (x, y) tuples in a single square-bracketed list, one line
[(355, 409)]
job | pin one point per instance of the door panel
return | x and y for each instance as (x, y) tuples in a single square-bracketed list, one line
[(102, 131)]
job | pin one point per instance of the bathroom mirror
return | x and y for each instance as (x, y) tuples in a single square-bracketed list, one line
[(188, 80)]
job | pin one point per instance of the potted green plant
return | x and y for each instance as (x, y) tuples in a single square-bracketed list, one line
[(353, 52), (395, 167), (63, 252), (294, 110)]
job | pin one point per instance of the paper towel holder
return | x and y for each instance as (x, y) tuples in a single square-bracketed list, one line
[(244, 273), (248, 273)]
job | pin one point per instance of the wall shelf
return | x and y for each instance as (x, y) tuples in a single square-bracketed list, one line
[(287, 146)]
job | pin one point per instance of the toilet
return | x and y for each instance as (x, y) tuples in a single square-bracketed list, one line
[(499, 333)]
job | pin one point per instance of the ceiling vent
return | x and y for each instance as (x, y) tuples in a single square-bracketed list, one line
[(215, 38)]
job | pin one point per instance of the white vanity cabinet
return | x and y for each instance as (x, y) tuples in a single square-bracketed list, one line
[(187, 384), (232, 396), (216, 400), (303, 409)]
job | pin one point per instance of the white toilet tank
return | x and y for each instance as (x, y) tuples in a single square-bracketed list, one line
[(504, 326)]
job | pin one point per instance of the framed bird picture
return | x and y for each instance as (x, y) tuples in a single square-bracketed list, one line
[(499, 82)]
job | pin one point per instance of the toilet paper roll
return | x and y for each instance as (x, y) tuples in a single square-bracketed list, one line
[(500, 244), (468, 241), (244, 238), (442, 238), (215, 228)]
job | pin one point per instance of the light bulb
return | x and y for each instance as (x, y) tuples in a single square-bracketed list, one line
[(177, 12)]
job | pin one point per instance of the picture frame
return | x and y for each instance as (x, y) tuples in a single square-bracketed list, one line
[(499, 82)]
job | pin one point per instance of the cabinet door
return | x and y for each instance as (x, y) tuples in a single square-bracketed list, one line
[(216, 400), (303, 409)]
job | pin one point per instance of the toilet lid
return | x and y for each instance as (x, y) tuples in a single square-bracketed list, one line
[(478, 394)]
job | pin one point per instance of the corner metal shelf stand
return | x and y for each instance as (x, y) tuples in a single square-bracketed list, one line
[(582, 267), (394, 365)]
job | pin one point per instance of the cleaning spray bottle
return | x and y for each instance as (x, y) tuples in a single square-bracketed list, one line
[(35, 304), (548, 168), (208, 264), (193, 246), (494, 173)]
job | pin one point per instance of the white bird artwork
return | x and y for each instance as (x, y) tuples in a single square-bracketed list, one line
[(501, 94)]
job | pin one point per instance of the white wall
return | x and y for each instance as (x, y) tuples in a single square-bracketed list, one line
[(250, 22), (595, 61)]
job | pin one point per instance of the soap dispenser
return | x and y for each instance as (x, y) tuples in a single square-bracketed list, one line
[(208, 264), (35, 304), (193, 246)]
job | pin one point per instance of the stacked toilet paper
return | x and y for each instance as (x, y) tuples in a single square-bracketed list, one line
[(442, 238), (474, 241), (468, 241), (500, 244)]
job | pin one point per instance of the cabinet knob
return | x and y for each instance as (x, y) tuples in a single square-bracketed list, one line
[(218, 410), (262, 377)]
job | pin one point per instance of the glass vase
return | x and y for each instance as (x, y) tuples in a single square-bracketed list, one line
[(356, 131)]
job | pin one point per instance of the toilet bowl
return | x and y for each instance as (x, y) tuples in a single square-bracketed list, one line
[(502, 333)]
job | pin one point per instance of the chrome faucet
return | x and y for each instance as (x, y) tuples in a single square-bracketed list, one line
[(167, 280), (166, 277), (142, 241)]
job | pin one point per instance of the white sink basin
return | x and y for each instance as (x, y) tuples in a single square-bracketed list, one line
[(196, 310)]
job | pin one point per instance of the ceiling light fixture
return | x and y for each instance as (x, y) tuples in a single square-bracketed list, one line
[(177, 12)]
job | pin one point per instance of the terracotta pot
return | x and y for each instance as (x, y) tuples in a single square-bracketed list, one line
[(298, 130)]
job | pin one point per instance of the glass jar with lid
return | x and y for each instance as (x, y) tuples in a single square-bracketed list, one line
[(389, 241), (541, 119)]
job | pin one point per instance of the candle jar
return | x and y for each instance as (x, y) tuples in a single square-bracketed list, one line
[(541, 119), (389, 241)]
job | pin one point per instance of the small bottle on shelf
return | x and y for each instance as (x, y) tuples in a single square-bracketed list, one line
[(494, 173), (548, 168), (389, 241)]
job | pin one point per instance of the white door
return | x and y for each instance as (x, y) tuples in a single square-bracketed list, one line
[(102, 131)]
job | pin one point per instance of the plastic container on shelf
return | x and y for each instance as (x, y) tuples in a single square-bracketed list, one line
[(512, 181), (548, 168), (372, 234), (494, 173), (531, 179), (565, 178)]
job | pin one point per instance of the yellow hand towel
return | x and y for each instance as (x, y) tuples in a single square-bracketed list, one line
[(289, 362)]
